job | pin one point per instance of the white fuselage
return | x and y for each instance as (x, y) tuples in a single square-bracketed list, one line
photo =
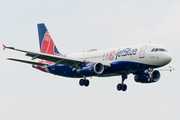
[(139, 54)]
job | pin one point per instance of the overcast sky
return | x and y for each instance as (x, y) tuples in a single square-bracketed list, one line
[(77, 25)]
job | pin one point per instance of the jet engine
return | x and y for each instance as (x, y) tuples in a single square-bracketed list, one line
[(91, 69), (148, 76)]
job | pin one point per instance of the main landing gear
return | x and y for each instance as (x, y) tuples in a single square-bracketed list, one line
[(122, 86), (84, 82)]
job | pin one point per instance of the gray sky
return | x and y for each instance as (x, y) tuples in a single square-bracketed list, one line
[(77, 25)]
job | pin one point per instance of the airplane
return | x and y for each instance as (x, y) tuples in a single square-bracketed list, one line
[(139, 60)]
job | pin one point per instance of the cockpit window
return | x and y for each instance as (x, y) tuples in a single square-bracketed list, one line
[(161, 49), (153, 50), (156, 49)]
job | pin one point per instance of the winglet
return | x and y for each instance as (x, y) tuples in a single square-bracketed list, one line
[(4, 47)]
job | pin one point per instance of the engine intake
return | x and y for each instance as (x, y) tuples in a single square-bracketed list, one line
[(91, 69), (146, 77)]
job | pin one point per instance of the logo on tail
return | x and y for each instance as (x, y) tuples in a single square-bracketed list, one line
[(46, 43)]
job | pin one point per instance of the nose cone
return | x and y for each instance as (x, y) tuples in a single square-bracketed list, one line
[(167, 59)]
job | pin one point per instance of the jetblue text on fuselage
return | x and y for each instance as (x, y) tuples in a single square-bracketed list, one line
[(120, 53), (125, 52)]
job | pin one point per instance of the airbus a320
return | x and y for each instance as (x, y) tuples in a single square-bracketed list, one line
[(139, 60)]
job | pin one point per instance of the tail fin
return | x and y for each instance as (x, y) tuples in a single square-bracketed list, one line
[(45, 41)]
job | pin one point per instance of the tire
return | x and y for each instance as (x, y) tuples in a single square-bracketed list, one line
[(81, 82), (124, 87), (119, 87), (86, 83)]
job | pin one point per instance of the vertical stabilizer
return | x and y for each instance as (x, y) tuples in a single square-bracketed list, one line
[(45, 41)]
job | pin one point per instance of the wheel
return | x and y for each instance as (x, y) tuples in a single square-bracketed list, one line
[(86, 83), (81, 82), (124, 87), (119, 87)]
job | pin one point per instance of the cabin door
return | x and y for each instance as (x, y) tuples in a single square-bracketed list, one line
[(142, 52)]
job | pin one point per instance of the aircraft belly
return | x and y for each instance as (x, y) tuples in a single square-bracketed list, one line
[(63, 70), (117, 68), (125, 67)]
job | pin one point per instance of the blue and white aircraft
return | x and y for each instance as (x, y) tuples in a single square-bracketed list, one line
[(140, 60)]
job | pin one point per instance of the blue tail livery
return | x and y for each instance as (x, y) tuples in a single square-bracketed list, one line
[(45, 41)]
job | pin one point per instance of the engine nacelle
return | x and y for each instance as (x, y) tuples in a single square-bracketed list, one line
[(146, 77), (91, 69)]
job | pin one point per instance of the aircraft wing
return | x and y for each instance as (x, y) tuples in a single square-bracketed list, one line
[(53, 58)]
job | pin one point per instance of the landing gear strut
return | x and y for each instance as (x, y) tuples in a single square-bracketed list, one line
[(84, 82), (122, 86)]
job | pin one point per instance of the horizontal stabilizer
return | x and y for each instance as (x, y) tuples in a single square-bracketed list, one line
[(4, 47), (25, 61)]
